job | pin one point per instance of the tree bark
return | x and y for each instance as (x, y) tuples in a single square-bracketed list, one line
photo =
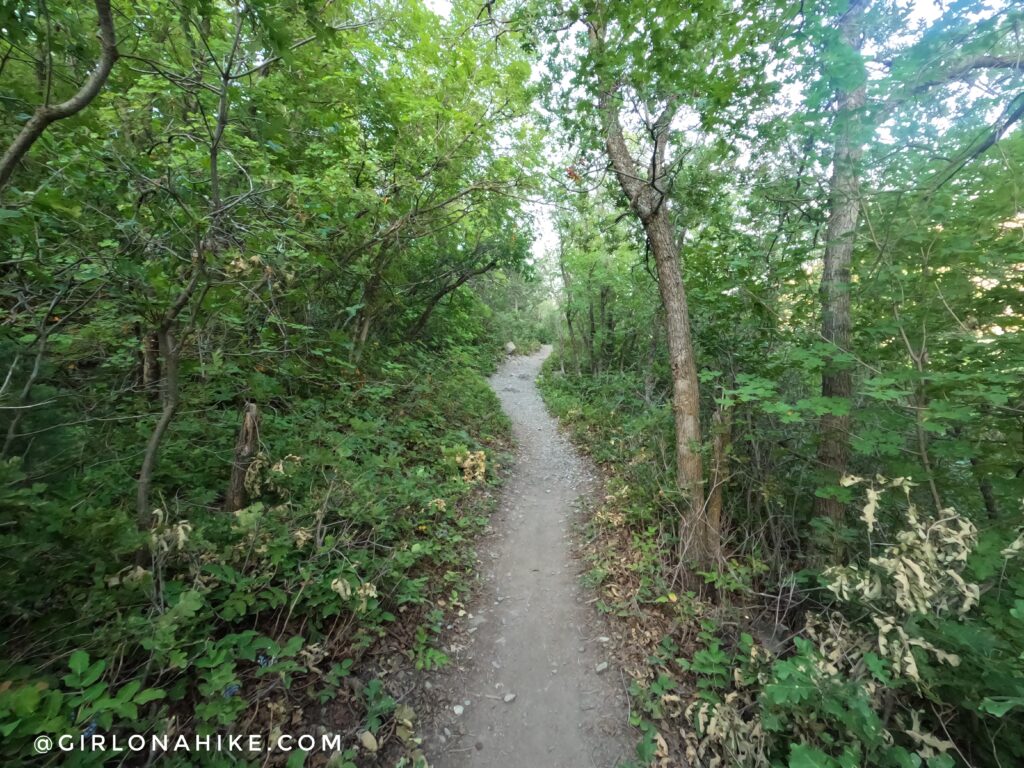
[(591, 336), (169, 351), (150, 362), (365, 316), (985, 489), (421, 322), (652, 351), (46, 114), (699, 541), (246, 448), (721, 428), (607, 328), (569, 311), (844, 213), (698, 538)]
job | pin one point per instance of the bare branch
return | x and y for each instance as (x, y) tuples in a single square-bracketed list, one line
[(304, 41), (47, 114)]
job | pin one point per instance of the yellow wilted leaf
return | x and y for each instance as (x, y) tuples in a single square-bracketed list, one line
[(662, 745), (868, 513), (342, 587), (369, 741)]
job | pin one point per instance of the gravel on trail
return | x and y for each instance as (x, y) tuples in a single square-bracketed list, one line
[(531, 683)]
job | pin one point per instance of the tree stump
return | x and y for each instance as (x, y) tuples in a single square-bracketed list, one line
[(246, 448)]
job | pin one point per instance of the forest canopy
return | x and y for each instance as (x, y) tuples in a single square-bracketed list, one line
[(258, 258)]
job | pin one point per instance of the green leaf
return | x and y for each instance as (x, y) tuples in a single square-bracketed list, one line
[(804, 756), (999, 706), (79, 662), (150, 694)]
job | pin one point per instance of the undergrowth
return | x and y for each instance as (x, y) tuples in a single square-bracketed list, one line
[(366, 493), (906, 655)]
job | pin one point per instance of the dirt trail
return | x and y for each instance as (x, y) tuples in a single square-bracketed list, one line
[(533, 687)]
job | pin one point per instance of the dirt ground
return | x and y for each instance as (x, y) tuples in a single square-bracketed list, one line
[(532, 683)]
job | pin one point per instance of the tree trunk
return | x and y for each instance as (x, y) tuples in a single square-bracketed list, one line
[(572, 341), (246, 448), (652, 351), (569, 313), (421, 322), (644, 186), (844, 210), (365, 316), (591, 336), (364, 334), (561, 346), (170, 350), (150, 362), (698, 539), (169, 401), (721, 429), (985, 489), (604, 349)]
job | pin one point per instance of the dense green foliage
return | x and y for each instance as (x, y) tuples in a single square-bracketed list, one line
[(267, 204), (251, 284), (777, 662), (362, 516)]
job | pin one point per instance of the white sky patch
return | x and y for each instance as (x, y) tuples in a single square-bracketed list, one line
[(545, 240), (442, 8), (926, 10), (922, 13)]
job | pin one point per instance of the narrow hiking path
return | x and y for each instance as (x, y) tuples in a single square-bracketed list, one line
[(533, 686)]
